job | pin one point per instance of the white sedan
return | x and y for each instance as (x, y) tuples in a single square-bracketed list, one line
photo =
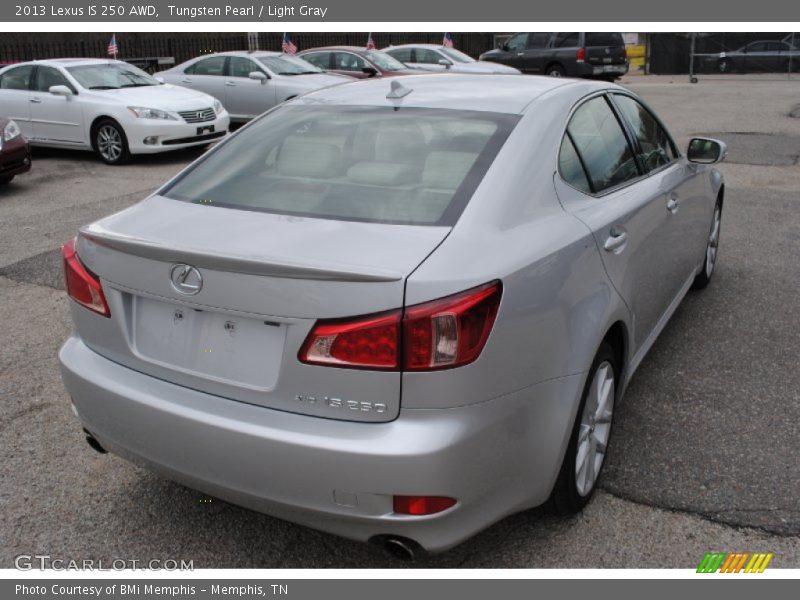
[(107, 106)]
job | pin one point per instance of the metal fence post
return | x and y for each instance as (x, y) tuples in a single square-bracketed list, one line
[(693, 38), (791, 56)]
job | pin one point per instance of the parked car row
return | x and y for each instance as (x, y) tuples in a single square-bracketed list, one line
[(760, 56), (325, 337), (117, 110)]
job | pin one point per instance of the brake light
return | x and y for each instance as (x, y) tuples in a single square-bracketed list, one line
[(367, 342), (82, 286), (441, 334), (580, 55), (421, 505)]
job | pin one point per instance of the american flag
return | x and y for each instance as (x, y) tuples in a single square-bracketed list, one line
[(113, 48), (287, 46), (447, 42), (370, 42)]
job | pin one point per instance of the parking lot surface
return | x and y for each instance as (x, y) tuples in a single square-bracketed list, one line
[(704, 456)]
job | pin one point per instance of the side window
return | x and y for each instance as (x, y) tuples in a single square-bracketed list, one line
[(656, 149), (17, 79), (318, 59), (566, 40), (47, 77), (517, 42), (756, 47), (538, 40), (570, 167), (241, 67), (601, 143), (424, 55), (401, 54), (208, 66), (346, 61)]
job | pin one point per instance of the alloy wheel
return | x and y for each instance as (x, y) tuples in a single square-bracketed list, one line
[(713, 242), (594, 429), (109, 143)]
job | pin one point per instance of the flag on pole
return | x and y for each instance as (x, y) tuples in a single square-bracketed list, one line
[(370, 42), (447, 42), (113, 48), (287, 46)]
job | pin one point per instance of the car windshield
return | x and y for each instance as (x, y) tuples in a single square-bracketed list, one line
[(288, 65), (372, 164), (110, 76), (457, 55), (385, 62)]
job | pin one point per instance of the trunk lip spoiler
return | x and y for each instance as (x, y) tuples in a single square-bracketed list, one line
[(253, 265)]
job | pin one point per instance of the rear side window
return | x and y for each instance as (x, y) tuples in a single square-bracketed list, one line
[(566, 40), (18, 78), (208, 66), (318, 59), (655, 147), (372, 164), (570, 167), (602, 145), (401, 54), (604, 39)]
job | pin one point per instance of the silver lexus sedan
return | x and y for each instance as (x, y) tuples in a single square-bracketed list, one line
[(394, 310), (248, 83)]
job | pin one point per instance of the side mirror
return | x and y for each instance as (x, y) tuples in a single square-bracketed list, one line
[(445, 63), (258, 76), (706, 151), (60, 90), (371, 71)]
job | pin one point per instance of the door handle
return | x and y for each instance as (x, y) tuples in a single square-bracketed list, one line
[(672, 204), (36, 100), (616, 240), (186, 81), (230, 84), (520, 54)]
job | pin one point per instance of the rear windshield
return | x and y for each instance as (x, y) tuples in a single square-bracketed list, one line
[(604, 39), (373, 164)]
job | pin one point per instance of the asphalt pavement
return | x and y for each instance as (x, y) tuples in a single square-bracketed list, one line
[(704, 456)]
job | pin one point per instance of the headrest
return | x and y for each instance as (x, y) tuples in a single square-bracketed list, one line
[(302, 158)]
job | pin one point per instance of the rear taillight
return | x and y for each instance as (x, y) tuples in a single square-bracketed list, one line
[(82, 286), (449, 332), (421, 505), (441, 334), (580, 55), (366, 342)]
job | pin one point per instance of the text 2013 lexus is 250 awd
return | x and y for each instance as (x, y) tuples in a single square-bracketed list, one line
[(396, 311)]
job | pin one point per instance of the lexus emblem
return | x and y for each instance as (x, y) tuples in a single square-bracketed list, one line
[(200, 114), (185, 279)]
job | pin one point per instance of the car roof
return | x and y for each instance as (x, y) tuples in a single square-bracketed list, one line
[(64, 62), (334, 48), (431, 46), (255, 53), (494, 93)]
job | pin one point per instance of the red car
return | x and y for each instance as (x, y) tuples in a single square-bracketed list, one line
[(355, 62), (15, 154)]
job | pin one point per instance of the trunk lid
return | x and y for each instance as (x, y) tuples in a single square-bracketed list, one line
[(605, 49), (230, 318)]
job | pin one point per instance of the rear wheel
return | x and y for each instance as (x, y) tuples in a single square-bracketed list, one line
[(703, 278), (588, 443), (110, 143), (555, 71)]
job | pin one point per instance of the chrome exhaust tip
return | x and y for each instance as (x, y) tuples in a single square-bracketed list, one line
[(399, 547)]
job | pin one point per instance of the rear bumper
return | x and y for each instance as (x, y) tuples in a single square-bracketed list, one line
[(589, 70), (15, 157), (495, 458)]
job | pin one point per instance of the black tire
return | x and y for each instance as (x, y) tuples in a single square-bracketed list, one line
[(565, 498), (555, 71), (116, 151), (703, 278), (5, 180)]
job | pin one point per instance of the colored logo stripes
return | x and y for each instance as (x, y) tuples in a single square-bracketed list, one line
[(740, 562)]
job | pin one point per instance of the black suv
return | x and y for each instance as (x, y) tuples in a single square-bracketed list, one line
[(600, 55)]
